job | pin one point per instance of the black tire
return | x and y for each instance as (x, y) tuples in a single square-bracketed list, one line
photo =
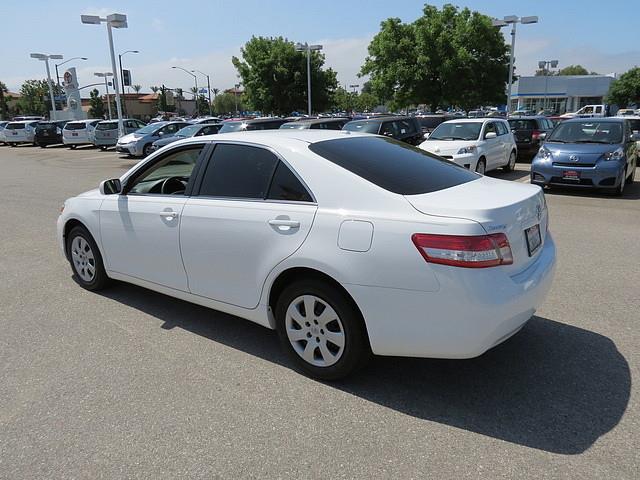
[(356, 345), (13, 145), (103, 148), (508, 167), (483, 162), (146, 151), (42, 145), (72, 147), (619, 190), (100, 279)]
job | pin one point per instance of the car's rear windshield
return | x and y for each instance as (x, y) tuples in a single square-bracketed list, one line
[(522, 124), (393, 165), (430, 122), (365, 126), (587, 131), (457, 131), (634, 123), (15, 126), (75, 126), (107, 126)]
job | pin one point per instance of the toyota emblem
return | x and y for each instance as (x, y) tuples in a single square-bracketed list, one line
[(574, 158)]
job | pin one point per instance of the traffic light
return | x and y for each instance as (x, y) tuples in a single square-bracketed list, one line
[(126, 78)]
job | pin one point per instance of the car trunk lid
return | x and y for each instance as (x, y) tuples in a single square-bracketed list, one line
[(499, 206)]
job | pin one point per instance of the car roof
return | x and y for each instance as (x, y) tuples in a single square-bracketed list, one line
[(526, 117), (382, 118), (474, 120), (313, 121), (595, 119)]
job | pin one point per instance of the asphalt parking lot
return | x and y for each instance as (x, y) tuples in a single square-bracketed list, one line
[(133, 384)]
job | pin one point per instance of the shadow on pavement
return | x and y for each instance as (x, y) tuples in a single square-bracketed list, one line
[(553, 387), (513, 175)]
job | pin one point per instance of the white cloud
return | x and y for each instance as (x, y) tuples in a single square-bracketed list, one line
[(102, 12), (157, 25), (346, 56)]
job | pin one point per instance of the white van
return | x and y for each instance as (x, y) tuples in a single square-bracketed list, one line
[(20, 132), (79, 132)]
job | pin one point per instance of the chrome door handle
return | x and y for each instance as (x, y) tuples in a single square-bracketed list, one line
[(169, 214), (284, 223)]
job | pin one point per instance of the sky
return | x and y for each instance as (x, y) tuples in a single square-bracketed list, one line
[(204, 35)]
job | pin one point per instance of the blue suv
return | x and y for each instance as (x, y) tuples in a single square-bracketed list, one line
[(588, 153)]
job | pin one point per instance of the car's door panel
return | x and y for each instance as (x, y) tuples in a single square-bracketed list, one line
[(493, 146), (230, 246), (249, 213), (140, 236), (139, 229)]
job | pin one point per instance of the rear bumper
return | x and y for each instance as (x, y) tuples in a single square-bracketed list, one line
[(474, 310), (76, 140), (51, 140), (104, 142), (603, 175)]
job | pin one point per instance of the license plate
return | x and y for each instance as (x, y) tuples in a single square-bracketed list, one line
[(534, 239), (571, 175), (74, 134), (45, 134), (14, 133)]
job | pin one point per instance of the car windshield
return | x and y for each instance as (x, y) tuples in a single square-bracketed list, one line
[(457, 131), (587, 132), (189, 131), (233, 127), (362, 126), (522, 124), (393, 165), (15, 126), (107, 126), (75, 126), (152, 127), (294, 125)]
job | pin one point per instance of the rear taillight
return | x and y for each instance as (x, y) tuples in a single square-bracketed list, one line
[(535, 135), (479, 251)]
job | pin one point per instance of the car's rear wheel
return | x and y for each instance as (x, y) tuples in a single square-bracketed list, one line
[(146, 151), (103, 148), (85, 259), (72, 147), (42, 145), (511, 165), (481, 166), (321, 329)]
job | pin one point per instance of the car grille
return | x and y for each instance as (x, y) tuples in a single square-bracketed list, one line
[(573, 165), (448, 157)]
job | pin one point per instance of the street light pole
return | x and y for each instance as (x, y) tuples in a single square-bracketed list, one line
[(513, 20), (106, 86), (115, 20), (300, 47), (62, 63), (546, 65), (235, 96), (195, 79), (120, 55), (208, 90), (45, 58)]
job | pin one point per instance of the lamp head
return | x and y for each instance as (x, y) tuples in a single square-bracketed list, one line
[(90, 19)]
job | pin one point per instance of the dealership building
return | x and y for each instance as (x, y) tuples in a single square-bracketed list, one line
[(563, 93)]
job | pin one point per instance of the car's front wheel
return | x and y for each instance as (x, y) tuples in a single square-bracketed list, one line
[(321, 329), (481, 166), (85, 259), (146, 151)]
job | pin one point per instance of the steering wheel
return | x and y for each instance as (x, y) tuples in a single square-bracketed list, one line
[(172, 185)]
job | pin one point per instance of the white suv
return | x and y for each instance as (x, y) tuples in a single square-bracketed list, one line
[(477, 144)]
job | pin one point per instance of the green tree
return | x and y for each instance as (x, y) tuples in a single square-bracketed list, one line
[(137, 88), (447, 56), (274, 76), (574, 70), (154, 89), (225, 103), (4, 109), (96, 105), (625, 90), (34, 98)]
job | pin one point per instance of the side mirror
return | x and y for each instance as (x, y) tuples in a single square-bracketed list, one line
[(489, 135), (542, 136), (635, 137), (111, 187), (426, 135)]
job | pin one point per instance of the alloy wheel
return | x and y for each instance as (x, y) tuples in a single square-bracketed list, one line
[(83, 259), (315, 331)]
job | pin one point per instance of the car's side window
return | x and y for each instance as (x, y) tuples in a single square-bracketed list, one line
[(286, 186), (502, 129), (389, 129), (238, 171), (169, 175), (490, 127)]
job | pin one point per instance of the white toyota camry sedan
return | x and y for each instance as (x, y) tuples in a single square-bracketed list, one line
[(347, 244)]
